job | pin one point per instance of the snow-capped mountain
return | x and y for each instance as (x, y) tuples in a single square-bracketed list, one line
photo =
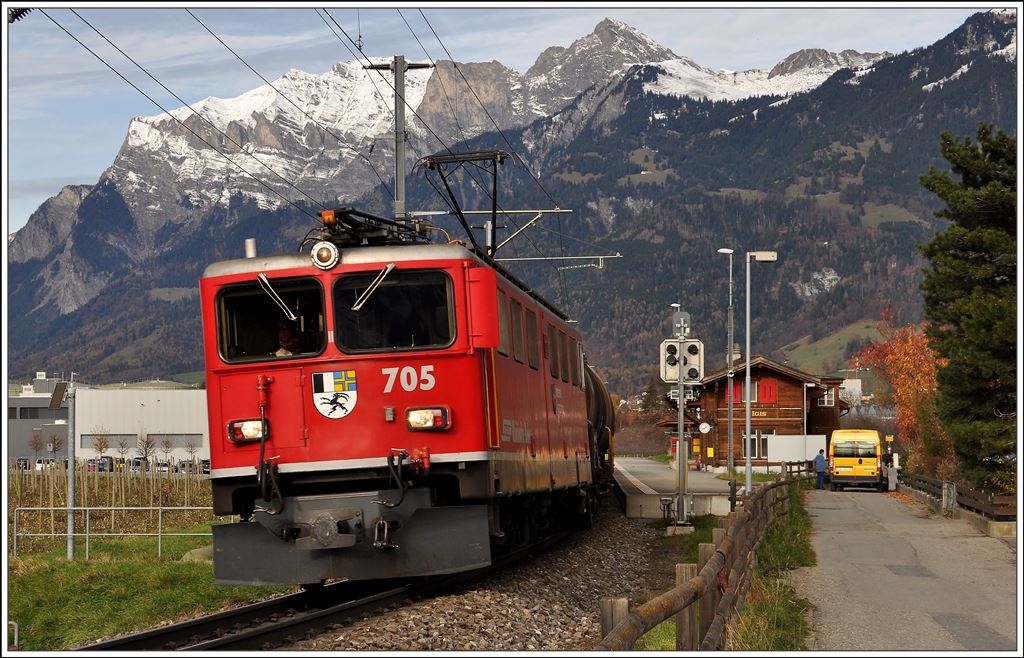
[(801, 71), (609, 121)]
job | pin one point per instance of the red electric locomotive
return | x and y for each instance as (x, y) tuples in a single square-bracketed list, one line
[(385, 407)]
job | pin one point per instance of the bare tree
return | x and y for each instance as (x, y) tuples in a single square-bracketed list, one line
[(166, 445), (36, 444), (145, 446), (122, 446), (57, 441), (191, 448), (101, 442)]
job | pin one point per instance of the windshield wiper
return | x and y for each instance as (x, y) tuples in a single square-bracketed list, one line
[(373, 286), (267, 288)]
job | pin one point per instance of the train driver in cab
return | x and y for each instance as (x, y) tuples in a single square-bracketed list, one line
[(287, 338)]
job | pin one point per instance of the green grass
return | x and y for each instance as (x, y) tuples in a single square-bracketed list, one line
[(122, 588), (663, 458), (774, 618), (741, 476), (822, 356), (743, 193), (685, 548), (173, 294), (875, 214)]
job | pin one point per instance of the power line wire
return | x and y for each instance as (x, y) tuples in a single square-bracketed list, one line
[(500, 132), (446, 148), (211, 124), (198, 136), (484, 107), (451, 107), (284, 96)]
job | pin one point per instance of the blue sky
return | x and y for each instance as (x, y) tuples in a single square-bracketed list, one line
[(67, 113)]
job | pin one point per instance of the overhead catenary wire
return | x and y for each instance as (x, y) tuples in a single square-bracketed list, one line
[(179, 99), (518, 158), (448, 99), (284, 96), (429, 129), (484, 107), (183, 125)]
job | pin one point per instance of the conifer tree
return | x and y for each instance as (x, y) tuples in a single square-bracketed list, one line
[(970, 296)]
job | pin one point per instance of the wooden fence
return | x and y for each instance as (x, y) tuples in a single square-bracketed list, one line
[(710, 594)]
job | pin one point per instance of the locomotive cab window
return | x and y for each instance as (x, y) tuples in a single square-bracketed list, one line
[(406, 310), (252, 326)]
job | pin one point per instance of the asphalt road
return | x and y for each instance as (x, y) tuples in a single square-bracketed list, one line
[(893, 576)]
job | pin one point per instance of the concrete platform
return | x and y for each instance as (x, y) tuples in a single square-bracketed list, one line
[(645, 481)]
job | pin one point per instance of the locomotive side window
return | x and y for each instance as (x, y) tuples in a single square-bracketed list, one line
[(563, 352), (553, 351), (532, 350), (518, 350), (574, 361), (251, 326), (407, 310), (502, 323)]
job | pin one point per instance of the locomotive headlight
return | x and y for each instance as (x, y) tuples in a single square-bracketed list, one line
[(430, 418), (241, 431), (325, 255)]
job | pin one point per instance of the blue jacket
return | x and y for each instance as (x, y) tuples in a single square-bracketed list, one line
[(819, 463)]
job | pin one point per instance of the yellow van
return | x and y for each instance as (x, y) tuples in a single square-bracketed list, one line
[(855, 459)]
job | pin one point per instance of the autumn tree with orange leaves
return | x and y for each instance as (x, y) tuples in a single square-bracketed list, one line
[(904, 359)]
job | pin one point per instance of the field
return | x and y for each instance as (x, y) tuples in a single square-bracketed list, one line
[(829, 354), (128, 583)]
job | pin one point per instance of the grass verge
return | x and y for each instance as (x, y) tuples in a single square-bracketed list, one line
[(681, 549), (774, 617), (122, 588)]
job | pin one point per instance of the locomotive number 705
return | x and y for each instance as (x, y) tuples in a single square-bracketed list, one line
[(409, 378)]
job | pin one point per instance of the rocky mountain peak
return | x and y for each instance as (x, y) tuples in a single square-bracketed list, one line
[(819, 58), (560, 73), (48, 226)]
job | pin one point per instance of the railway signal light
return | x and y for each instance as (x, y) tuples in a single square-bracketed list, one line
[(692, 361), (670, 360)]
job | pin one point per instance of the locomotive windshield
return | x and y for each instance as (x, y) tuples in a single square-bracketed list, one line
[(252, 326), (408, 310)]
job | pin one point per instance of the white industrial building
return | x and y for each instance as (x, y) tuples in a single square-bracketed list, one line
[(167, 417), (171, 421)]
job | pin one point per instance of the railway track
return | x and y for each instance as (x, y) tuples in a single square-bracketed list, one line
[(286, 619)]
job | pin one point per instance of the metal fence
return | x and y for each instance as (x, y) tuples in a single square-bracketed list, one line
[(89, 534), (997, 508)]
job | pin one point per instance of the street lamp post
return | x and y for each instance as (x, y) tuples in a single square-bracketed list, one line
[(729, 363), (762, 256)]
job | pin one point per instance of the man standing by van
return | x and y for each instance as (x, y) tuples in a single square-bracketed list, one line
[(819, 468)]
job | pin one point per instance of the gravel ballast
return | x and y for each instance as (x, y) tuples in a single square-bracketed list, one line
[(550, 603)]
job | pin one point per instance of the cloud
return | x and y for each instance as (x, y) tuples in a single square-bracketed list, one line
[(30, 188)]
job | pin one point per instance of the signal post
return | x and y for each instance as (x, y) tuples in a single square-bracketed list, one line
[(682, 363)]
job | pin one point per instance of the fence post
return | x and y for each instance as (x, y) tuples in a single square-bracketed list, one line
[(16, 510), (613, 611), (707, 600), (87, 526), (732, 495), (685, 626), (160, 533), (948, 498)]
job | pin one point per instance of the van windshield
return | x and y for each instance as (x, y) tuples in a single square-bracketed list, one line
[(854, 449)]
